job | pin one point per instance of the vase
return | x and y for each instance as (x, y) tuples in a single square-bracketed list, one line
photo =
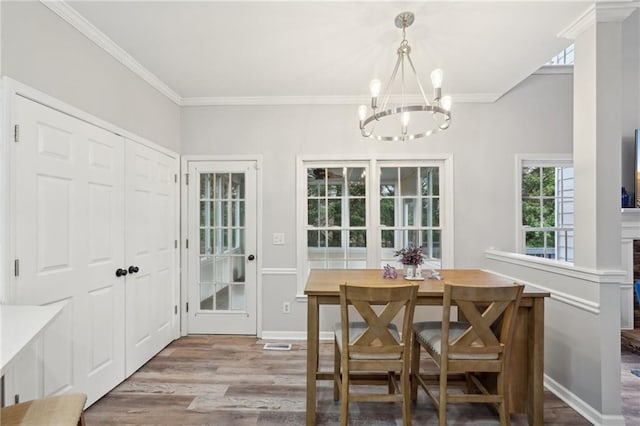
[(410, 271)]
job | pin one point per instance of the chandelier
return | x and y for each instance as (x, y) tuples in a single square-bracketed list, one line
[(416, 120)]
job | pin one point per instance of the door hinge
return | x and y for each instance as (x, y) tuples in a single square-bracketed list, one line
[(175, 309), (16, 133), (16, 267), (175, 178), (187, 306), (175, 243), (186, 245), (186, 178), (16, 398)]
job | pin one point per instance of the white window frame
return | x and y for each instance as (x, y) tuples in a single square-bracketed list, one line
[(533, 160), (372, 165), (345, 211)]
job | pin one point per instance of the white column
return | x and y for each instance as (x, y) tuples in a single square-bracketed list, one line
[(597, 146), (596, 155)]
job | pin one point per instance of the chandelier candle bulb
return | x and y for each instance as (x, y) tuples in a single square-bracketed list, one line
[(436, 78), (445, 102), (436, 81), (362, 112), (375, 86), (405, 118), (405, 122)]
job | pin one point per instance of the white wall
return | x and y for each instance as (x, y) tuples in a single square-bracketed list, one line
[(41, 50), (630, 96), (580, 316), (535, 117)]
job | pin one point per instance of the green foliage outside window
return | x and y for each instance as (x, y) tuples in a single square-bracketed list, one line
[(538, 203), (326, 199)]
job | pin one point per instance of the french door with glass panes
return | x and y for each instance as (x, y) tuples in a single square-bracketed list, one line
[(222, 247)]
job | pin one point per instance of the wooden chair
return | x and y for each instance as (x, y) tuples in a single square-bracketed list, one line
[(61, 410), (374, 347), (480, 344)]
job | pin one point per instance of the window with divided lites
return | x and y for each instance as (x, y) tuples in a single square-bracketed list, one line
[(350, 225), (547, 207)]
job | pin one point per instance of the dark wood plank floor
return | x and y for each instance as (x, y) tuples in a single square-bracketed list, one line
[(224, 380)]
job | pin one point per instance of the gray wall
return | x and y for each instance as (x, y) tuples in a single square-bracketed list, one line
[(630, 96), (41, 50), (535, 117)]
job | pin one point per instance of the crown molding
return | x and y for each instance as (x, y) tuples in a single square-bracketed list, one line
[(578, 26), (600, 12), (321, 100), (80, 23), (615, 12)]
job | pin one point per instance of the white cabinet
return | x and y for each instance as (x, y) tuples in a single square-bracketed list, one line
[(87, 202)]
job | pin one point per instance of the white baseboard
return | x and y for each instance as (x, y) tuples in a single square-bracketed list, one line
[(584, 409), (293, 335)]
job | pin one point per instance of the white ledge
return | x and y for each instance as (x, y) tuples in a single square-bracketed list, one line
[(554, 69), (600, 276)]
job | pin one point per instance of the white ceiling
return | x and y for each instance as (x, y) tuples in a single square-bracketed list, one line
[(226, 52)]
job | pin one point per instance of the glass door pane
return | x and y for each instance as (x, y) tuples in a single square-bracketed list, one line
[(222, 242)]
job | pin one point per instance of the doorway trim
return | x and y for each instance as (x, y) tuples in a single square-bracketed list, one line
[(184, 231)]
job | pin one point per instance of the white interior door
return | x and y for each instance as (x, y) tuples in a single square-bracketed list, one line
[(151, 253), (69, 221), (222, 247)]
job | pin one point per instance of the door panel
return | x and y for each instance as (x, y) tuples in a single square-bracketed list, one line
[(69, 236), (151, 229), (60, 379), (222, 234)]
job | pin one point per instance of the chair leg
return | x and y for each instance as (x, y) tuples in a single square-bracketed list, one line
[(81, 420), (503, 406), (406, 400), (442, 405), (344, 406), (415, 368), (336, 372), (505, 419)]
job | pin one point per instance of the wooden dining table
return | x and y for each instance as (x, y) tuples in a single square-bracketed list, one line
[(526, 366)]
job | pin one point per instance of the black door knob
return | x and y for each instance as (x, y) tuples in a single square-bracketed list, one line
[(133, 269), (251, 257), (121, 272)]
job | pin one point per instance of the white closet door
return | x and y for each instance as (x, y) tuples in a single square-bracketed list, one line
[(150, 245), (69, 221)]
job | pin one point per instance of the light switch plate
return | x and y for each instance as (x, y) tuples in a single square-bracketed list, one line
[(278, 239)]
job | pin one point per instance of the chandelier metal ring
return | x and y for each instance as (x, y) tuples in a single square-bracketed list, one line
[(409, 108)]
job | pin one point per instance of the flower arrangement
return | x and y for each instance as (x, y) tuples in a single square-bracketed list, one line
[(410, 256), (390, 272)]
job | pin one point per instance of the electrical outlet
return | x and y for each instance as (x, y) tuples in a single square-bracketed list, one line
[(286, 308), (278, 239)]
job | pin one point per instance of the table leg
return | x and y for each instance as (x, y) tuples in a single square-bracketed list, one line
[(313, 337), (535, 403)]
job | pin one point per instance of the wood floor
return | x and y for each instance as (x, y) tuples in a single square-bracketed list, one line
[(224, 380)]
